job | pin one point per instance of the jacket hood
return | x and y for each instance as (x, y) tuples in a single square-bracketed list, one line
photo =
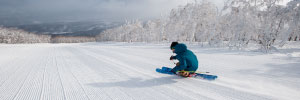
[(179, 48)]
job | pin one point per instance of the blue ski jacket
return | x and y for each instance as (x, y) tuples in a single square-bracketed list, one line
[(187, 59)]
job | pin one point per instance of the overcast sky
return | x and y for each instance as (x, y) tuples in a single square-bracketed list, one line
[(39, 11), (81, 10)]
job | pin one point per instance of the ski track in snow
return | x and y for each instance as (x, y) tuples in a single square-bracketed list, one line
[(120, 71)]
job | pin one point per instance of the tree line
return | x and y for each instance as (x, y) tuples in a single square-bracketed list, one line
[(15, 36), (238, 23)]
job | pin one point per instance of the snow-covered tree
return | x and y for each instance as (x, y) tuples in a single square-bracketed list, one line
[(193, 23), (292, 22), (13, 35), (129, 32), (241, 22), (262, 21), (71, 39)]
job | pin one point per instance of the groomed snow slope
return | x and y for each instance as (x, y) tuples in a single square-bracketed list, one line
[(104, 71)]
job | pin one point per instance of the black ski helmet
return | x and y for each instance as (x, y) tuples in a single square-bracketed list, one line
[(173, 45)]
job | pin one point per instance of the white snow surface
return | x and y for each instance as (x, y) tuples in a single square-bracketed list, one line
[(126, 71)]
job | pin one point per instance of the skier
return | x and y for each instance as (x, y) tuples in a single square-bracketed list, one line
[(188, 63)]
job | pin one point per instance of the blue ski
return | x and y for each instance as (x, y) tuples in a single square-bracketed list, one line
[(167, 70)]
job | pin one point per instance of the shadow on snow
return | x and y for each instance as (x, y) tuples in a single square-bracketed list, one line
[(290, 69), (138, 82)]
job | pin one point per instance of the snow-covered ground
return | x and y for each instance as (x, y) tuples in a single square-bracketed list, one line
[(126, 71)]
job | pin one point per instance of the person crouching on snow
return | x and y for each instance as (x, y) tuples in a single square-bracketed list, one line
[(188, 63)]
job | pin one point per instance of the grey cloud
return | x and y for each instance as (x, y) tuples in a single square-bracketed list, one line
[(60, 10)]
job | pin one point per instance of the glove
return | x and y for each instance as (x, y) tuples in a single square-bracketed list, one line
[(171, 58), (178, 64)]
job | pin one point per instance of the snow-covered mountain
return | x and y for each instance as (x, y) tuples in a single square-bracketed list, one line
[(84, 28)]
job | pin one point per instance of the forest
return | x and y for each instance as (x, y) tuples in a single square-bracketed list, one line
[(238, 23)]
